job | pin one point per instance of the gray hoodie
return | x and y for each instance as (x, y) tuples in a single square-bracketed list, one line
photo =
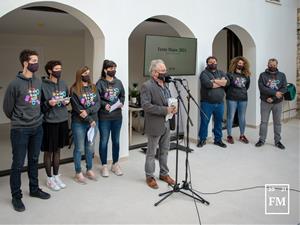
[(22, 102), (57, 91), (269, 83), (110, 93)]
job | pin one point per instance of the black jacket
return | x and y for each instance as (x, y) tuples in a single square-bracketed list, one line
[(238, 86)]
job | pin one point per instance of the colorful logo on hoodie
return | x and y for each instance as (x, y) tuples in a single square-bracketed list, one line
[(88, 99), (240, 82), (111, 94), (59, 96), (273, 84), (33, 96)]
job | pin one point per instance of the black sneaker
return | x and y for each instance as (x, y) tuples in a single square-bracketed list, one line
[(201, 143), (40, 194), (18, 204), (220, 144), (259, 143), (280, 145)]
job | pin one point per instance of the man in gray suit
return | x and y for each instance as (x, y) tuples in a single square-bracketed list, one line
[(154, 99)]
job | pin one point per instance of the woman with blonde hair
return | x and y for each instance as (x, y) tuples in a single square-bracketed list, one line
[(85, 105), (237, 96)]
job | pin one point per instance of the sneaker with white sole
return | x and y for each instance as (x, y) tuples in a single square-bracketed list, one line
[(59, 182), (104, 171), (116, 169), (51, 184)]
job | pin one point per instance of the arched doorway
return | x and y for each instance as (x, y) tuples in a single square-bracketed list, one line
[(76, 42), (162, 25), (230, 42)]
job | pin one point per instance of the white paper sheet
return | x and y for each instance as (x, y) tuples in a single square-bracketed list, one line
[(115, 106), (171, 102), (91, 134)]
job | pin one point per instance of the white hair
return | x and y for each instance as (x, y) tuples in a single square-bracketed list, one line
[(154, 63)]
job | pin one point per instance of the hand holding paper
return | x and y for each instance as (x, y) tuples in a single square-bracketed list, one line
[(115, 106)]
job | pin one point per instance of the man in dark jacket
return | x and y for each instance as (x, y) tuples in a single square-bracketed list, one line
[(154, 99), (213, 83), (22, 106), (272, 85)]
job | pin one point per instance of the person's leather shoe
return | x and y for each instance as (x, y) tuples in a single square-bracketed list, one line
[(259, 143), (18, 204), (151, 182), (280, 145), (40, 194), (220, 144), (167, 179), (201, 143), (230, 139)]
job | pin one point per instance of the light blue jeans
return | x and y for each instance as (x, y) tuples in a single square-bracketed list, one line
[(241, 107), (81, 144)]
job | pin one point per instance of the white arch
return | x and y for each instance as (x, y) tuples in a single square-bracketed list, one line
[(96, 32), (249, 51)]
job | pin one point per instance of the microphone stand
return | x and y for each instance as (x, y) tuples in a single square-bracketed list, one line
[(185, 185)]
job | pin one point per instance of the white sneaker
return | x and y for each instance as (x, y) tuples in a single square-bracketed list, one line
[(59, 182), (116, 169), (51, 184), (104, 171)]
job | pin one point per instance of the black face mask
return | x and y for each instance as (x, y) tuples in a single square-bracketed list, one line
[(56, 74), (111, 73), (161, 76), (33, 67), (85, 78), (212, 66), (239, 67), (272, 69)]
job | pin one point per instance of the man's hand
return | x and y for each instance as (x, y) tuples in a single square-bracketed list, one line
[(221, 82), (278, 94), (172, 109), (52, 102), (269, 100), (83, 114)]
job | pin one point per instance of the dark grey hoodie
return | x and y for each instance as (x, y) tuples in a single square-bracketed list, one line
[(208, 93), (22, 102), (110, 93), (269, 83), (89, 101), (57, 91)]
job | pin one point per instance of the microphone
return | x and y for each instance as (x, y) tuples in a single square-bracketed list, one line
[(169, 79)]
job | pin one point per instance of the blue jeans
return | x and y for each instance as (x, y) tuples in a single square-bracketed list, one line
[(208, 109), (241, 107), (105, 127), (81, 144), (25, 141)]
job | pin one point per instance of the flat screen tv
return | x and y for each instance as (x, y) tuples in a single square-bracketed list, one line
[(178, 53)]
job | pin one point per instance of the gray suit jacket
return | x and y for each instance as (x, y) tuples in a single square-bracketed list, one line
[(155, 105)]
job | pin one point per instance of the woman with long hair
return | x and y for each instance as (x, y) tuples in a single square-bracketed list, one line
[(237, 96), (85, 105), (112, 93)]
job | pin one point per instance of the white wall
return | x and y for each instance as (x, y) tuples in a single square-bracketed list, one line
[(272, 27), (70, 50)]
